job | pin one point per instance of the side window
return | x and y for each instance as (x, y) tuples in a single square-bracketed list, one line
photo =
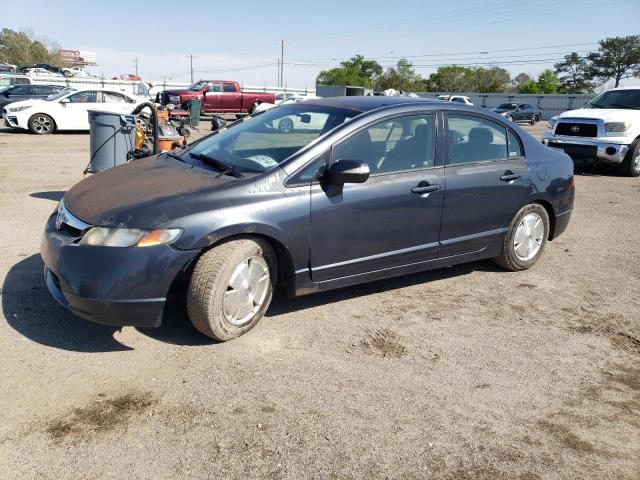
[(113, 97), (25, 90), (404, 143), (84, 97), (313, 171), (229, 88), (458, 99), (515, 147), (474, 139), (214, 87)]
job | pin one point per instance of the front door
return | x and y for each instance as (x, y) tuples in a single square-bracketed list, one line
[(212, 97), (394, 217), (75, 112), (487, 177)]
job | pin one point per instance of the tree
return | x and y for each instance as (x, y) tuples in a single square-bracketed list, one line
[(548, 82), (21, 49), (403, 77), (573, 74), (456, 79), (518, 81), (490, 80), (357, 72), (617, 58), (529, 87)]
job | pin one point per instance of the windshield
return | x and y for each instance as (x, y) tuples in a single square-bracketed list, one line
[(507, 106), (60, 94), (266, 140), (199, 85), (625, 99)]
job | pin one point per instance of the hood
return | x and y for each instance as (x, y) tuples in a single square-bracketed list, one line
[(30, 103), (181, 91), (606, 114), (502, 110), (141, 194)]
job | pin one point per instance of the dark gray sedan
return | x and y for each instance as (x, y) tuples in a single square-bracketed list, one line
[(17, 93), (360, 189), (519, 112)]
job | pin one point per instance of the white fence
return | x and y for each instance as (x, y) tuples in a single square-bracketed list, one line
[(549, 104), (131, 86)]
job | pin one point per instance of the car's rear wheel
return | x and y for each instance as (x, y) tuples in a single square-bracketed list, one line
[(231, 287), (253, 108), (41, 124), (525, 241), (536, 119), (631, 163)]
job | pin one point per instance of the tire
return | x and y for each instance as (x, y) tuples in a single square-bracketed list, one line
[(209, 302), (630, 166), (285, 125), (518, 252), (185, 132), (252, 109), (536, 119), (41, 124)]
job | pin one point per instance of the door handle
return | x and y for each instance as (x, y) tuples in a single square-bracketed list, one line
[(509, 175), (424, 187)]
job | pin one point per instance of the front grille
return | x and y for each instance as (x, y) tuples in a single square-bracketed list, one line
[(577, 129)]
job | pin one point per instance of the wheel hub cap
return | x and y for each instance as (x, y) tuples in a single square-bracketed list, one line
[(529, 237), (247, 291)]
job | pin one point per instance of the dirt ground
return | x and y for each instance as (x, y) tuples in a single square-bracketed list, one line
[(462, 373)]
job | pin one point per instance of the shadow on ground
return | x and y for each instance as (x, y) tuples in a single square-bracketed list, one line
[(55, 195), (29, 309)]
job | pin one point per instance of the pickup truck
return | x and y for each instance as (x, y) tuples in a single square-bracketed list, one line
[(606, 130), (217, 96)]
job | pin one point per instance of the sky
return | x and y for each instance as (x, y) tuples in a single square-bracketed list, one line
[(241, 40)]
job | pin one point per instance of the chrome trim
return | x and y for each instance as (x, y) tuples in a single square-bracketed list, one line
[(617, 157), (66, 217)]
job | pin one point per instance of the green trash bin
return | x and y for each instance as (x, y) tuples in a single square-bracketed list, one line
[(195, 107)]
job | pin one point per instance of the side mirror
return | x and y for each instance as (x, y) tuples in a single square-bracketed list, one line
[(65, 100), (305, 118), (217, 123), (347, 171)]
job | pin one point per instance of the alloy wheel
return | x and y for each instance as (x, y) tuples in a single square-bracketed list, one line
[(42, 124), (529, 237)]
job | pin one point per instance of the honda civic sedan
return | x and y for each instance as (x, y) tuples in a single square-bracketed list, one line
[(360, 189)]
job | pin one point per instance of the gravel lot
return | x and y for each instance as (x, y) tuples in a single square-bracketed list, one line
[(462, 373)]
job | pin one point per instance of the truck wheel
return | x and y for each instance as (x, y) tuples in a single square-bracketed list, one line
[(630, 166), (41, 124), (526, 238), (231, 287), (253, 108)]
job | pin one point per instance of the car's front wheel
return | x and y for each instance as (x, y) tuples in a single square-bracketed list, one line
[(231, 287), (525, 241), (41, 124), (510, 118), (631, 163)]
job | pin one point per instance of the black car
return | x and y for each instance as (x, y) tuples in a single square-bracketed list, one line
[(16, 93), (46, 66), (362, 188), (519, 112)]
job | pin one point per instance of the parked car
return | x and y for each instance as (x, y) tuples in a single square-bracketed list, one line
[(17, 93), (45, 66), (7, 67), (217, 96), (373, 192), (605, 131), (455, 98), (519, 112), (127, 76), (281, 97), (66, 110), (40, 72)]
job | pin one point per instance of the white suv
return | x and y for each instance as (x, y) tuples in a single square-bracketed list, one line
[(605, 130), (455, 98)]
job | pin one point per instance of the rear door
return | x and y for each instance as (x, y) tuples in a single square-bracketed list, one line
[(231, 99), (487, 177), (392, 219)]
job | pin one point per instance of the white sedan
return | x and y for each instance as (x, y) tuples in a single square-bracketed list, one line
[(67, 110)]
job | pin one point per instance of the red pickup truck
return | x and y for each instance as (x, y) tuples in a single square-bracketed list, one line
[(217, 96)]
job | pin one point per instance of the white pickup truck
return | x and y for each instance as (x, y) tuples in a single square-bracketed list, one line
[(606, 130)]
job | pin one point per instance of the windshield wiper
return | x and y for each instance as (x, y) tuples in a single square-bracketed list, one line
[(223, 167), (618, 105), (173, 155)]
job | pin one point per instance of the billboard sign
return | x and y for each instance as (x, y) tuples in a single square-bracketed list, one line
[(78, 56)]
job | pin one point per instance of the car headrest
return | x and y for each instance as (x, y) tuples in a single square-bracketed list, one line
[(481, 135), (422, 131)]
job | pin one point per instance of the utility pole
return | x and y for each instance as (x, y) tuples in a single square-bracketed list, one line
[(278, 72), (190, 57), (136, 62), (281, 63)]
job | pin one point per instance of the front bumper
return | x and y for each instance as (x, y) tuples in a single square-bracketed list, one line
[(10, 120), (588, 149), (107, 285)]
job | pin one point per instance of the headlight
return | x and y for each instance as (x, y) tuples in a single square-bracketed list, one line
[(552, 123), (18, 109), (617, 126), (129, 237), (174, 98)]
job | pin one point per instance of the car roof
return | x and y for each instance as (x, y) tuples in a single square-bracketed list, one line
[(633, 87), (366, 103)]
